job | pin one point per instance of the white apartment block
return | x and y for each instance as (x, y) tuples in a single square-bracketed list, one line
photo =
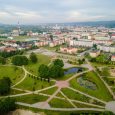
[(89, 43), (81, 43), (106, 48)]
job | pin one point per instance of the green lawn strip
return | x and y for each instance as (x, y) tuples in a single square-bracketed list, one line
[(79, 105), (34, 84), (13, 72), (110, 81), (105, 72), (21, 38), (76, 96), (101, 92), (33, 68), (57, 103), (49, 91), (60, 95), (65, 77), (14, 92), (99, 64), (52, 48), (31, 99), (113, 89)]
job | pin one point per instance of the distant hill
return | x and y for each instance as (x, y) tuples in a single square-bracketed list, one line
[(110, 24)]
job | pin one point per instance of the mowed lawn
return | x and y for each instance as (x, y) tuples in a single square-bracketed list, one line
[(13, 72), (42, 59), (31, 99), (33, 84), (57, 103), (101, 92)]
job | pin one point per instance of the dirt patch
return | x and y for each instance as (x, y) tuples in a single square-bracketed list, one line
[(112, 72), (25, 112)]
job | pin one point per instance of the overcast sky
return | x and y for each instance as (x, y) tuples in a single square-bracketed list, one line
[(54, 11)]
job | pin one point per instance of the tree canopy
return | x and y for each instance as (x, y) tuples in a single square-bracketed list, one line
[(58, 62), (33, 57), (7, 105), (56, 71), (43, 71), (5, 84), (20, 60)]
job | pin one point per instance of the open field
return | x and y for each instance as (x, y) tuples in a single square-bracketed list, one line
[(31, 99), (13, 72), (33, 68), (101, 92), (33, 84)]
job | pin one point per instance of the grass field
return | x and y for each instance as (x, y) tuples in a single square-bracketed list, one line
[(52, 48), (14, 73), (50, 91), (31, 99), (101, 92), (57, 103), (14, 92), (42, 59), (33, 84), (77, 96), (73, 95)]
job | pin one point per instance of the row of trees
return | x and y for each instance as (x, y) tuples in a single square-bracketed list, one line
[(20, 60), (5, 85), (104, 59), (54, 71), (9, 54)]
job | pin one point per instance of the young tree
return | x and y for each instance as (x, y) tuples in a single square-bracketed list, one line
[(33, 57), (58, 62)]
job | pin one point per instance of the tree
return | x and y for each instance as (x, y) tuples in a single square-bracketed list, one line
[(2, 60), (80, 61), (5, 85), (56, 71), (51, 37), (43, 71), (95, 46), (7, 105), (20, 60), (58, 62), (33, 57)]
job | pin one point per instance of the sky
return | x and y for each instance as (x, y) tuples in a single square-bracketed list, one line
[(55, 11)]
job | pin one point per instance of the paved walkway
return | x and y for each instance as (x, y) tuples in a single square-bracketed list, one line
[(68, 99), (87, 95), (63, 109), (77, 74), (60, 85), (25, 75), (107, 86), (47, 105), (110, 106)]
